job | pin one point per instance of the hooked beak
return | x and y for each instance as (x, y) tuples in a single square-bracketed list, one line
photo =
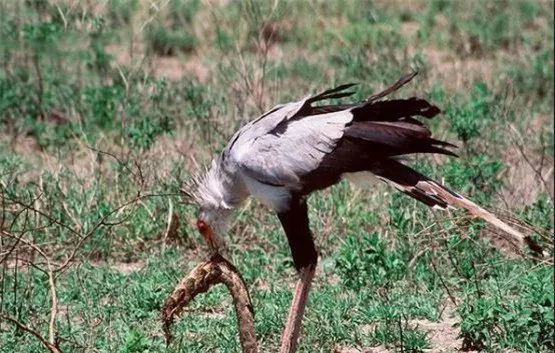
[(209, 238), (215, 242)]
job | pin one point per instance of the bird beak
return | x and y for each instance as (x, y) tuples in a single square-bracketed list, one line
[(209, 238), (217, 244), (214, 241)]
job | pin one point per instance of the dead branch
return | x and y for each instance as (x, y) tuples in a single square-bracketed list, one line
[(51, 342), (516, 139), (52, 347), (206, 274)]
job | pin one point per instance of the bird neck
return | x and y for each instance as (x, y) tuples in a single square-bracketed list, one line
[(221, 188)]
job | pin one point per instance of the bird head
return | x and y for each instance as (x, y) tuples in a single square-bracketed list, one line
[(209, 191), (213, 224)]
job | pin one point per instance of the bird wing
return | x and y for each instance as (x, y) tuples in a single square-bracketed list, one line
[(282, 114), (292, 149), (290, 141)]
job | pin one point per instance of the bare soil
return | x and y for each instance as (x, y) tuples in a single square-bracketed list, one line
[(442, 336)]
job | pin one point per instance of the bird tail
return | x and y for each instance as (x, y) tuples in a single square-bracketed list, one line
[(435, 195)]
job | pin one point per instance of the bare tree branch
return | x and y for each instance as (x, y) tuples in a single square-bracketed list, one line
[(52, 347)]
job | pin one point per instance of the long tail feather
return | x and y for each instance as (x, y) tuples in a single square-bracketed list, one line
[(382, 130), (400, 83), (433, 194), (336, 92)]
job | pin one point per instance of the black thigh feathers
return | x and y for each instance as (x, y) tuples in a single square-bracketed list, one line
[(296, 226)]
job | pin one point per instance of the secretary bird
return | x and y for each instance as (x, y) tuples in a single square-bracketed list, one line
[(297, 148)]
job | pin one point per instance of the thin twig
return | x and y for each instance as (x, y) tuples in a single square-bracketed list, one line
[(52, 347), (52, 286), (169, 225), (538, 171)]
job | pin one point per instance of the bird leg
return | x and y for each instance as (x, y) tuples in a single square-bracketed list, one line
[(296, 225), (296, 310)]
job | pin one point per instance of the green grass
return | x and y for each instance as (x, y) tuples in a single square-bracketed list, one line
[(106, 110)]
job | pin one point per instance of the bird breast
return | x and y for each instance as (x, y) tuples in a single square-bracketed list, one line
[(275, 197)]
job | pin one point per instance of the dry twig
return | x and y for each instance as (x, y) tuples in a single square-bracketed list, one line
[(51, 342)]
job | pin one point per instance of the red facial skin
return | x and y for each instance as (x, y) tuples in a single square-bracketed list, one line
[(206, 232)]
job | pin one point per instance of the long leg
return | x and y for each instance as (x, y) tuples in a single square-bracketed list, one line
[(294, 319), (296, 225)]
